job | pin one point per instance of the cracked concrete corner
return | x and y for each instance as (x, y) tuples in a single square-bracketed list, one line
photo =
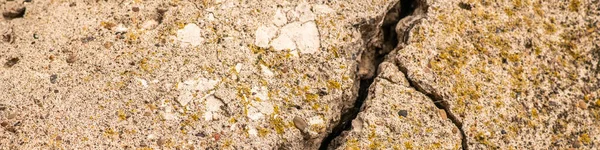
[(520, 74), (397, 116)]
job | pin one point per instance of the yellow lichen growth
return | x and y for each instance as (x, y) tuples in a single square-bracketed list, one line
[(574, 5), (311, 97), (107, 25), (121, 115), (332, 84), (109, 132), (549, 27), (352, 144), (408, 145), (537, 8), (585, 138), (262, 132), (278, 124)]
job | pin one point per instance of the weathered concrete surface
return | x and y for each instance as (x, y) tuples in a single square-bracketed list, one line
[(397, 116), (224, 74), (519, 74), (233, 74)]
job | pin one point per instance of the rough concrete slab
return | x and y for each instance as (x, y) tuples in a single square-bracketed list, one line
[(231, 74), (123, 74), (517, 74)]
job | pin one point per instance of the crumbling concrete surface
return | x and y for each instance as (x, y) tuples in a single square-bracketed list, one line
[(177, 74), (240, 74), (519, 74), (397, 116)]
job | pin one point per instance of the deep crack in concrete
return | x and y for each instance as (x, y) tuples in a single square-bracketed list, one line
[(375, 53)]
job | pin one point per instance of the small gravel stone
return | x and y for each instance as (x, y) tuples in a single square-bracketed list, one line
[(135, 9), (72, 58), (53, 78), (11, 129), (161, 142), (403, 113), (581, 104), (217, 136), (300, 123), (4, 124), (442, 114), (11, 62), (11, 116), (15, 11), (200, 134)]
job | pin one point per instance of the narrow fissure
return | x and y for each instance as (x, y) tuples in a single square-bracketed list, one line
[(439, 103)]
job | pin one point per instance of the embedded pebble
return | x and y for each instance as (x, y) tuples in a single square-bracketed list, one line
[(190, 35), (403, 113), (300, 124), (190, 87), (53, 78), (120, 28), (13, 10), (11, 62), (442, 114), (212, 105), (160, 142), (11, 116), (581, 104), (149, 24), (72, 58)]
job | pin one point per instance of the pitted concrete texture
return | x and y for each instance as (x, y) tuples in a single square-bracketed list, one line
[(519, 74), (226, 74), (254, 74)]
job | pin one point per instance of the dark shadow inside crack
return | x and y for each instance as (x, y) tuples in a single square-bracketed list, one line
[(370, 30)]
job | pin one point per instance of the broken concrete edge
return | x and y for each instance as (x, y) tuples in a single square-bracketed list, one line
[(379, 41)]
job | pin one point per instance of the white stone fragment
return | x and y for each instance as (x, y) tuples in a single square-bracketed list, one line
[(190, 35), (305, 36), (254, 114), (238, 67), (210, 17), (120, 28), (315, 120), (212, 105), (252, 131), (151, 137), (189, 87), (264, 34), (143, 82), (261, 93), (264, 107), (322, 9), (279, 19), (168, 114), (308, 40), (283, 42), (305, 13), (149, 24), (266, 71)]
